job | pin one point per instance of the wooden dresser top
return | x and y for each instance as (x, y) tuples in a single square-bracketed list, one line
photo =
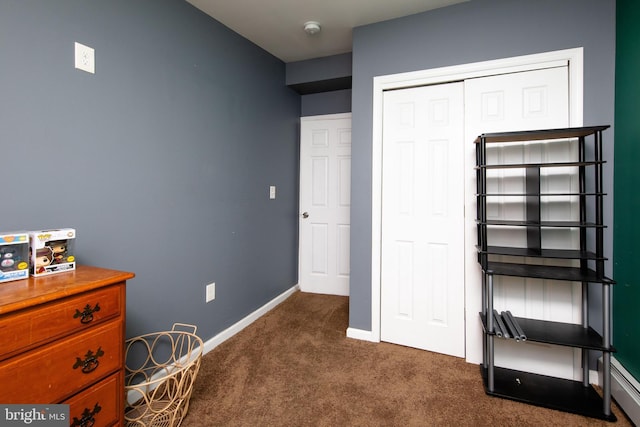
[(20, 294)]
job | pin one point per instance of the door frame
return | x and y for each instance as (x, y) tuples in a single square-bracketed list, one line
[(571, 57)]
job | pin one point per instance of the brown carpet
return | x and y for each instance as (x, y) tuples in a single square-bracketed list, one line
[(296, 367)]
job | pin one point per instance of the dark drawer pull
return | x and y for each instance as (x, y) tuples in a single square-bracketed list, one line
[(90, 362), (88, 417), (86, 316)]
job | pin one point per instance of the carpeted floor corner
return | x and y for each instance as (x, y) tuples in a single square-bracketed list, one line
[(296, 367)]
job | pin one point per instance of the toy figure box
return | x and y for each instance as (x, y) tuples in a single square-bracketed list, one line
[(52, 251), (14, 256)]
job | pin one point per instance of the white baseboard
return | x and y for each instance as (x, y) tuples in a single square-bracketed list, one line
[(361, 334), (595, 377), (246, 321), (625, 389)]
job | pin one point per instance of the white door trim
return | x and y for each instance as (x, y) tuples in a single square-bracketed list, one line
[(326, 117), (572, 57)]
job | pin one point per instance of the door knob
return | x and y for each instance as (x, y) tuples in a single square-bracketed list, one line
[(305, 214)]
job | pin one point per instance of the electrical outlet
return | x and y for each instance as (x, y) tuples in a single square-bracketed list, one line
[(211, 292), (272, 192), (85, 58)]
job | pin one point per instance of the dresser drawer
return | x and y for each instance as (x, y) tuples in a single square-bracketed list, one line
[(99, 405), (53, 373), (41, 324)]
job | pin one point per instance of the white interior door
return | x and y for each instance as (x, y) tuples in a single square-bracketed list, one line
[(511, 102), (422, 291), (325, 202)]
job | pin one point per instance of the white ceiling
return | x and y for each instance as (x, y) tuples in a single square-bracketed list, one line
[(277, 25)]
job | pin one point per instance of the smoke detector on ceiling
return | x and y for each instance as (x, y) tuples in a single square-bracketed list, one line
[(311, 27)]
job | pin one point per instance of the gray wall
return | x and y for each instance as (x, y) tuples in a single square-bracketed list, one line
[(162, 160), (478, 30), (337, 101), (325, 84), (319, 69)]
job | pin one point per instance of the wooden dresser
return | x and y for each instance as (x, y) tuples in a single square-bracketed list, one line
[(62, 341)]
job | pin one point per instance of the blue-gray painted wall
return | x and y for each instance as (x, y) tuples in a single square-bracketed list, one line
[(337, 101), (317, 69), (162, 160), (473, 31), (334, 98)]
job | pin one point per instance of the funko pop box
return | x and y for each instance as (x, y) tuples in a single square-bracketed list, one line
[(14, 256), (52, 251)]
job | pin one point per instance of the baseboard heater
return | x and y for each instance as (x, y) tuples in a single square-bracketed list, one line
[(624, 389)]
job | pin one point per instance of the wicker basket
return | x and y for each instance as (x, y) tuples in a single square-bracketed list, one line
[(160, 371)]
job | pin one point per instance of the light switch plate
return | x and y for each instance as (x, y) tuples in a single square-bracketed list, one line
[(210, 292), (272, 192)]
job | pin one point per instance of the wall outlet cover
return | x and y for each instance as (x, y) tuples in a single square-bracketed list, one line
[(85, 58)]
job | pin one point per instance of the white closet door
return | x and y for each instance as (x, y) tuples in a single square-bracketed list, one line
[(526, 101), (422, 292), (428, 135)]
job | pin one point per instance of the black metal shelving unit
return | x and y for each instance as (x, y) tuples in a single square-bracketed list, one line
[(556, 393)]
